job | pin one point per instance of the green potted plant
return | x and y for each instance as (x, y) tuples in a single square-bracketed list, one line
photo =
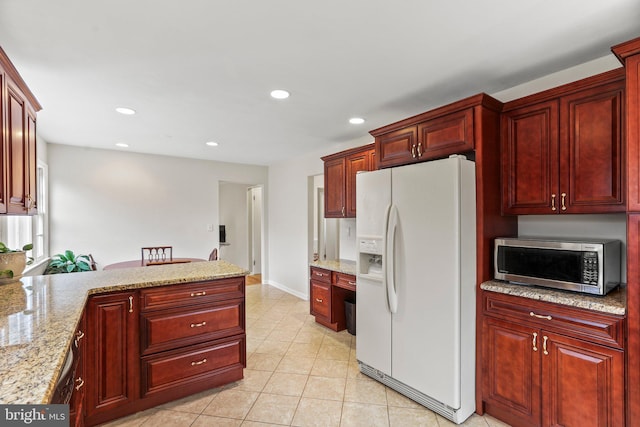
[(13, 262), (68, 262)]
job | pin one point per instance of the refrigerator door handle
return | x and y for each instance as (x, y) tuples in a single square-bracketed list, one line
[(390, 282)]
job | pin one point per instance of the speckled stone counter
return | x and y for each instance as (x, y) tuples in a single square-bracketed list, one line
[(339, 265), (615, 302), (39, 314)]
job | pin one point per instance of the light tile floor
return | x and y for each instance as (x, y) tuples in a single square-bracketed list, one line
[(298, 374)]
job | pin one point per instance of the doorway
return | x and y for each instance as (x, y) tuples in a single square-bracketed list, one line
[(240, 210), (255, 214)]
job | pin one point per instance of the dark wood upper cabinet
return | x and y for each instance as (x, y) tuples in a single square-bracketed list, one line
[(452, 129), (397, 147), (334, 188), (562, 149), (530, 158), (340, 171), (18, 108)]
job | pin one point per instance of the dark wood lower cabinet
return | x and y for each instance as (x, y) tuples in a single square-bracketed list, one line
[(328, 292), (151, 346), (112, 369), (535, 376)]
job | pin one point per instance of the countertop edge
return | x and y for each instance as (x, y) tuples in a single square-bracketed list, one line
[(612, 303), (117, 286)]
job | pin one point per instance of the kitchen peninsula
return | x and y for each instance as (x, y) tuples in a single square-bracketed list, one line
[(132, 322)]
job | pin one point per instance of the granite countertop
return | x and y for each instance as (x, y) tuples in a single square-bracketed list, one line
[(615, 302), (339, 265), (39, 315)]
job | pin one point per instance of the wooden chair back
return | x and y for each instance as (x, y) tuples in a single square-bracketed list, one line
[(157, 254)]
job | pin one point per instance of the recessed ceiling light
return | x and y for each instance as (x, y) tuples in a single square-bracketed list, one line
[(122, 145), (356, 120), (212, 144), (279, 94), (126, 111)]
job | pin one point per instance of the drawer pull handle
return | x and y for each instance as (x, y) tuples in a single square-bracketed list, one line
[(544, 345), (199, 362), (539, 316), (535, 340), (318, 274), (81, 381), (419, 149), (413, 151), (564, 207), (553, 202), (318, 300), (130, 304), (197, 325), (352, 283), (198, 294)]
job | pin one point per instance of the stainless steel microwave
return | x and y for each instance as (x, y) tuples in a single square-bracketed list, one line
[(589, 266)]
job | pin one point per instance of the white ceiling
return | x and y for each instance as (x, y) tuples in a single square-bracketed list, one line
[(201, 70)]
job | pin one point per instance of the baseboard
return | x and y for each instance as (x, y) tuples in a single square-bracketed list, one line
[(288, 290)]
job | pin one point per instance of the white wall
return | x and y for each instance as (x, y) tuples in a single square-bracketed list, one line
[(111, 203), (289, 209)]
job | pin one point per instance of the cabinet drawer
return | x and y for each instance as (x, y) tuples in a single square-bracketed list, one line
[(197, 363), (168, 329), (601, 328), (192, 293), (320, 303), (346, 281), (320, 275)]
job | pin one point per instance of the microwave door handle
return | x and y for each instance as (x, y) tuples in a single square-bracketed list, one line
[(392, 225)]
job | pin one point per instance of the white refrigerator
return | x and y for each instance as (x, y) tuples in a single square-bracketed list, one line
[(416, 281)]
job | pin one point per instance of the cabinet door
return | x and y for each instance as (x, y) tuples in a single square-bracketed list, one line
[(31, 164), (397, 148), (17, 153), (3, 144), (511, 374), (334, 188), (113, 352), (77, 404), (529, 143), (446, 135), (355, 163), (584, 383), (592, 150)]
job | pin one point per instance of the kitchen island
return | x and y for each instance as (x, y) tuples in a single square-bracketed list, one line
[(39, 317)]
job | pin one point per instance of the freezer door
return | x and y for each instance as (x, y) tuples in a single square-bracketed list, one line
[(373, 337), (426, 330)]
